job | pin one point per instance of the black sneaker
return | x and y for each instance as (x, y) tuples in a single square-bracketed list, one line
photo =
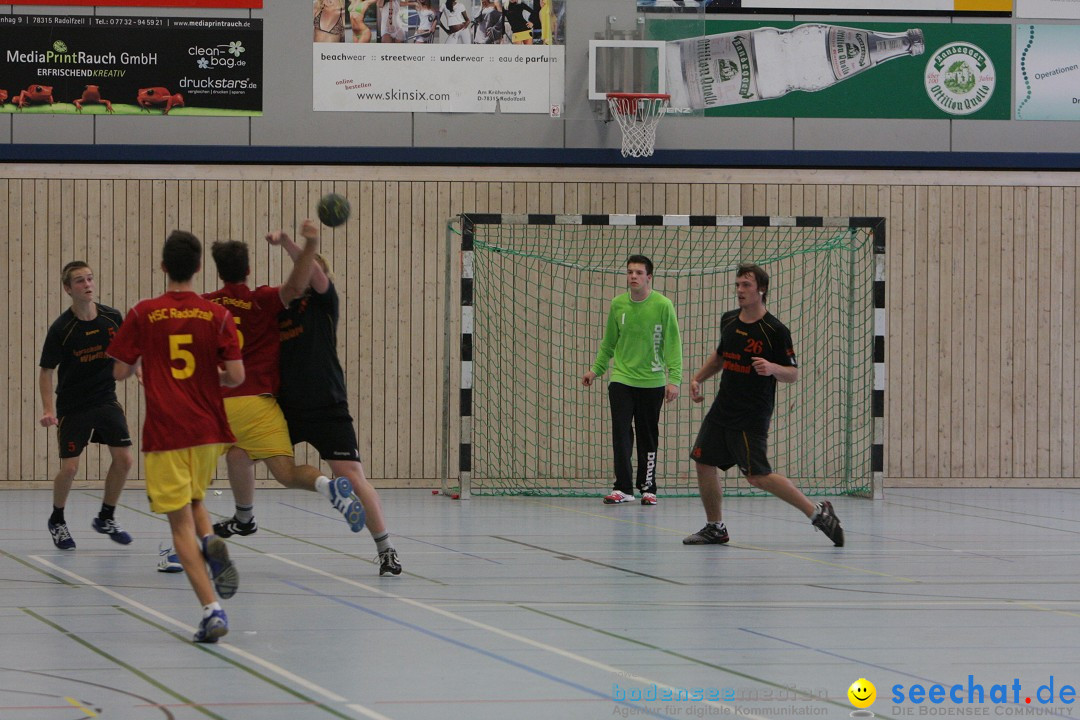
[(708, 535), (827, 522), (389, 563), (111, 528), (61, 536), (232, 526)]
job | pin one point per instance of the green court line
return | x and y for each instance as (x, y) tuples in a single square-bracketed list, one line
[(239, 666), (35, 568), (117, 661), (689, 658)]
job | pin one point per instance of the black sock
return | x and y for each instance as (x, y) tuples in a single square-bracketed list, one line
[(57, 515), (106, 512)]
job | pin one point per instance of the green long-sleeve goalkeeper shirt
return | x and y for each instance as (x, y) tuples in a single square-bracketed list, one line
[(644, 339)]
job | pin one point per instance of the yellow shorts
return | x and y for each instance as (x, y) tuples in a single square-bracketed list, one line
[(259, 426), (520, 37), (176, 477)]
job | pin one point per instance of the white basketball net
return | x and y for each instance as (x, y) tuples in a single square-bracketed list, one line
[(638, 118)]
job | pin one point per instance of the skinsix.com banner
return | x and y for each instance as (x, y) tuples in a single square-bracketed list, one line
[(824, 70), (463, 56), (880, 7), (82, 64)]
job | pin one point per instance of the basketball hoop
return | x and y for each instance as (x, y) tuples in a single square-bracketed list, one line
[(638, 115)]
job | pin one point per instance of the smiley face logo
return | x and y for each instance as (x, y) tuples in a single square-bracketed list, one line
[(862, 693)]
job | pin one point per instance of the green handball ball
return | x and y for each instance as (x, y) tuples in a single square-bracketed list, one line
[(333, 209)]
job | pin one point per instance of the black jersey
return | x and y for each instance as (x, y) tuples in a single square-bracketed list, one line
[(78, 347), (746, 400), (311, 374)]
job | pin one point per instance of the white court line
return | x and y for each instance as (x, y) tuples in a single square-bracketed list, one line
[(566, 654), (265, 664)]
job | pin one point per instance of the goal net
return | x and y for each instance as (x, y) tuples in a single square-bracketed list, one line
[(536, 292)]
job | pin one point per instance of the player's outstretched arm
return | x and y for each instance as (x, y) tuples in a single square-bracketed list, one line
[(303, 259)]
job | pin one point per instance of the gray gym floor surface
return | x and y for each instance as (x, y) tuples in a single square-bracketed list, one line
[(554, 608)]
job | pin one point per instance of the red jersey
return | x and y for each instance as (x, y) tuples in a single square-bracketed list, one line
[(181, 339), (255, 313)]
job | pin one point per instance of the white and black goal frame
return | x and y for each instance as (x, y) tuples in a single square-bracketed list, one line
[(468, 223)]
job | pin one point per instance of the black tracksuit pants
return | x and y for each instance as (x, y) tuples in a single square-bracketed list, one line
[(635, 411)]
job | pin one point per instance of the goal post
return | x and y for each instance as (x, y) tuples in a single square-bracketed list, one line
[(535, 291)]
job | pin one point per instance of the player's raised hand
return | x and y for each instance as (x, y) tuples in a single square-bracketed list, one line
[(277, 237)]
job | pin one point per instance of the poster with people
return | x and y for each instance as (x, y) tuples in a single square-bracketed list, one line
[(449, 56)]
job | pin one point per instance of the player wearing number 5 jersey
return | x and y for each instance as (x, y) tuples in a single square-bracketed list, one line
[(180, 339), (755, 352)]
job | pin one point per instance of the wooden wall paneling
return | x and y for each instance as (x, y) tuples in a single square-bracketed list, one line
[(360, 375), (1068, 332), (919, 356), (1042, 303), (431, 238), (420, 348), (1007, 348), (1050, 289), (400, 369), (958, 351), (911, 444), (993, 243), (53, 241), (1019, 339), (979, 299), (15, 249), (376, 292), (35, 255), (388, 296), (1035, 275), (931, 322), (899, 366)]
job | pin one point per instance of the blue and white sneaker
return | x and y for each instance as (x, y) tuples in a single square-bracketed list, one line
[(222, 571), (61, 536), (111, 528), (212, 627), (347, 503), (169, 562)]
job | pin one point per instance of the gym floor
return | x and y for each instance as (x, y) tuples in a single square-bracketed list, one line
[(514, 607)]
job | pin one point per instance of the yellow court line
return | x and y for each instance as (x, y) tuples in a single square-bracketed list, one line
[(737, 545), (80, 706), (1043, 609)]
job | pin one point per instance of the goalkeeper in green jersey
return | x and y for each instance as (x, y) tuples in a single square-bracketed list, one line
[(643, 336)]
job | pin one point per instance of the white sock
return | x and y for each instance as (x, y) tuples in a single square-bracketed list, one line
[(322, 484), (718, 525), (208, 610)]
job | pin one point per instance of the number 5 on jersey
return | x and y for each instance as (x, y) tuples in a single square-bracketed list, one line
[(176, 352)]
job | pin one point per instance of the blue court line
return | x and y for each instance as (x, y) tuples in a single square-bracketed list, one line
[(876, 666), (638, 709)]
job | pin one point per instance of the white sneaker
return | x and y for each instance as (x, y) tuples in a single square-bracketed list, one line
[(169, 562), (617, 496)]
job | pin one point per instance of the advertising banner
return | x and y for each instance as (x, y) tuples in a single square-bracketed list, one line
[(1049, 9), (861, 7), (439, 56), (82, 64), (875, 70), (250, 4), (1047, 72)]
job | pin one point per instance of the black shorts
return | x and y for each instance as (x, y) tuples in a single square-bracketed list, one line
[(329, 430), (723, 448), (102, 424)]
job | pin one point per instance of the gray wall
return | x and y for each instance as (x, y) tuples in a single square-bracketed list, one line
[(288, 120)]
